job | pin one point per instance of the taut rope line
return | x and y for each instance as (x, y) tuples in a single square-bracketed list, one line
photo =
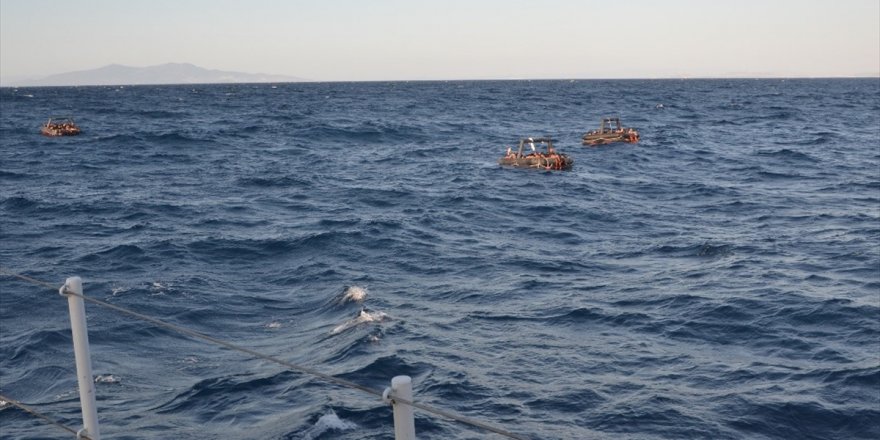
[(45, 418), (292, 366)]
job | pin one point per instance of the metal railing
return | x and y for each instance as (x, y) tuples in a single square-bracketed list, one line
[(399, 394)]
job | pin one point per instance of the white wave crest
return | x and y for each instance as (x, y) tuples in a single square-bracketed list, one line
[(106, 378), (362, 317), (327, 422), (355, 294)]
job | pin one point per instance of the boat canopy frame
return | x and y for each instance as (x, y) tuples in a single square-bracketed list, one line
[(546, 140), (609, 125), (60, 120)]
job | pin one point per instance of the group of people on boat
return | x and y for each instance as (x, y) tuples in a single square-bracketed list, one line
[(630, 134), (627, 133), (66, 126), (60, 127), (550, 160), (610, 131)]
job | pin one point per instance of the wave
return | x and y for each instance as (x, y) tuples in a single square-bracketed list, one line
[(242, 131), (41, 384), (788, 155), (327, 423), (107, 379), (365, 230), (857, 380), (161, 114), (599, 316), (375, 371), (211, 397), (817, 139), (774, 175), (249, 250), (27, 347), (831, 312), (571, 402), (576, 317), (662, 415), (706, 250), (370, 132), (12, 175), (126, 139), (364, 316), (801, 419), (275, 182), (18, 204), (120, 257), (176, 138), (355, 294)]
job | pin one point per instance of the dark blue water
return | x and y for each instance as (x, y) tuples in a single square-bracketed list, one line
[(718, 280)]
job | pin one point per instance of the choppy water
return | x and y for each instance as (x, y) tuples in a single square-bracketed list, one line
[(720, 279)]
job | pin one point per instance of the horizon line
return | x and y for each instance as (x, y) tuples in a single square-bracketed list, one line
[(655, 78)]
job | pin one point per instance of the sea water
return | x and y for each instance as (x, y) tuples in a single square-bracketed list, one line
[(720, 279)]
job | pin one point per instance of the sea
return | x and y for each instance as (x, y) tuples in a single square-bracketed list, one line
[(720, 279)]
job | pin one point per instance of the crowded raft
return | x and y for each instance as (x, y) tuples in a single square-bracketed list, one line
[(549, 159), (60, 127), (610, 130)]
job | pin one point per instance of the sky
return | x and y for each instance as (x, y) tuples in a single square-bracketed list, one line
[(368, 40)]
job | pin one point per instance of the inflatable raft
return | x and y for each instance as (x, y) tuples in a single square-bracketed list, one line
[(60, 127), (548, 159), (611, 131)]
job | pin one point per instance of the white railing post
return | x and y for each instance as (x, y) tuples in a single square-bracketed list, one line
[(404, 421), (83, 358)]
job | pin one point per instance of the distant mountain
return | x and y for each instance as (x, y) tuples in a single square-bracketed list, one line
[(171, 73)]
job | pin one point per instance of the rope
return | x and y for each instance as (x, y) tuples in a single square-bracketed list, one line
[(39, 415), (28, 279), (228, 345), (292, 366)]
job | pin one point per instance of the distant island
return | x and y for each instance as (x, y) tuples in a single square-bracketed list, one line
[(170, 73)]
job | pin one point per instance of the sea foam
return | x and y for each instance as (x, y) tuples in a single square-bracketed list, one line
[(328, 422)]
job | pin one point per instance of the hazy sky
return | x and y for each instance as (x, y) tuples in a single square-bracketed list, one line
[(447, 39)]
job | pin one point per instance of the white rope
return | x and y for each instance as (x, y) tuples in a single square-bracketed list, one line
[(292, 366), (37, 414)]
